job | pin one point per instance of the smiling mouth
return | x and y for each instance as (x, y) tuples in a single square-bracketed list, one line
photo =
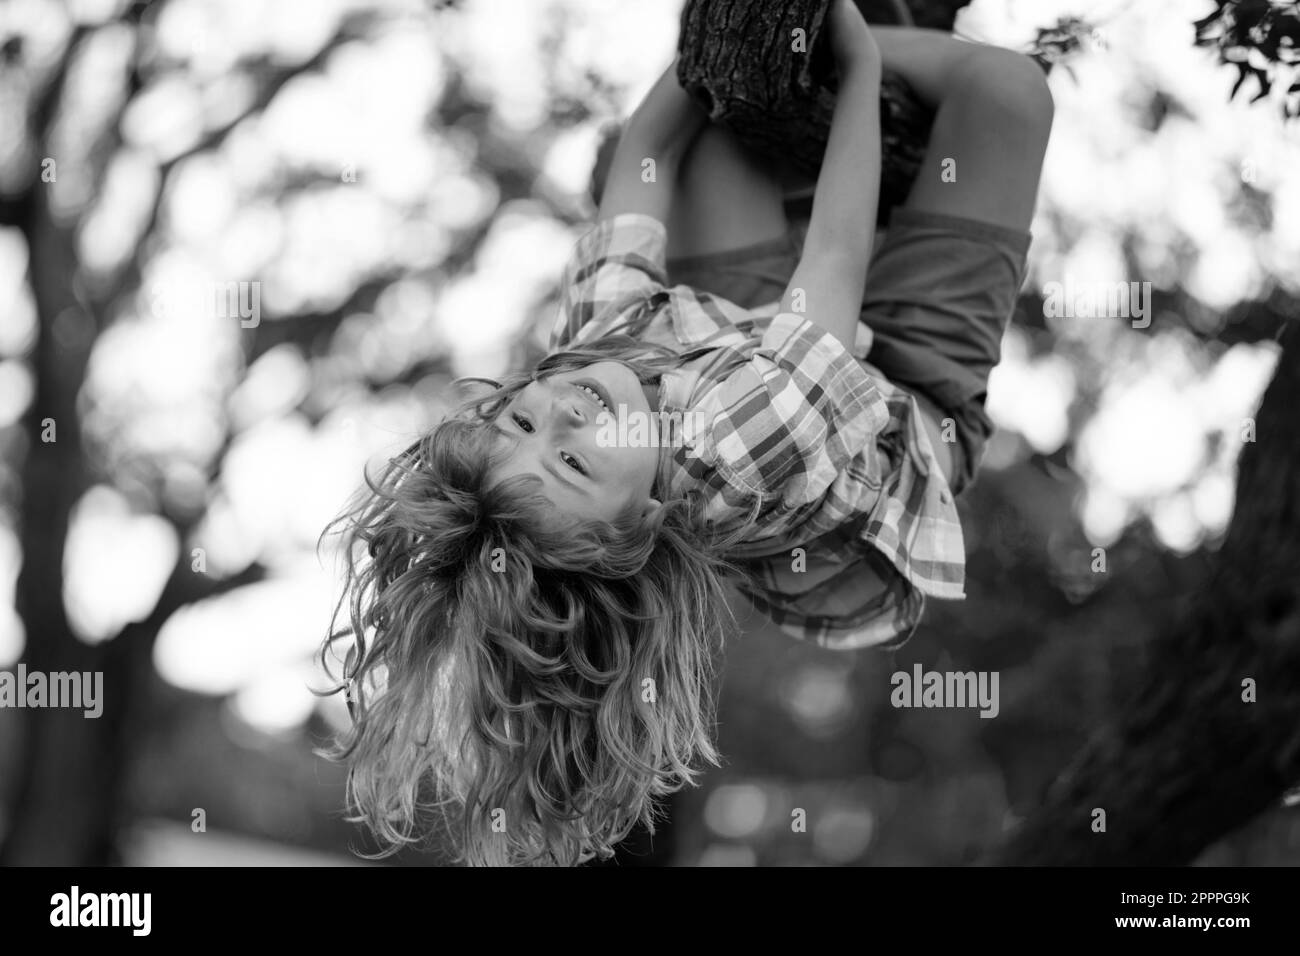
[(597, 395)]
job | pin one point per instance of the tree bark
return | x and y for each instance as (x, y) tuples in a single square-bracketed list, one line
[(1189, 759)]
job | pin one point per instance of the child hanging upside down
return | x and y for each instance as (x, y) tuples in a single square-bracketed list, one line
[(538, 599)]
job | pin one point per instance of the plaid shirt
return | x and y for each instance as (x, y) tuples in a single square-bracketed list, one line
[(831, 457)]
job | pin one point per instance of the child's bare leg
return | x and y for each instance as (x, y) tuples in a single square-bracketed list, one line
[(993, 116), (726, 198)]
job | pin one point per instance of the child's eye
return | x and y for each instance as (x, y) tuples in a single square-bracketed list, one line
[(564, 457)]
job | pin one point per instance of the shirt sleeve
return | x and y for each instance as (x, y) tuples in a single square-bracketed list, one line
[(787, 424), (613, 277)]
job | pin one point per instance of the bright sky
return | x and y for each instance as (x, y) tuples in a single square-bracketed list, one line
[(395, 194)]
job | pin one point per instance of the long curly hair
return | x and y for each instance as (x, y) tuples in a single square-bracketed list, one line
[(522, 693)]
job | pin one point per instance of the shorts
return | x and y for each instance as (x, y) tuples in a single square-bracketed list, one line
[(940, 290)]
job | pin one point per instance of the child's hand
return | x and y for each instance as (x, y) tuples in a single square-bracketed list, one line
[(852, 43)]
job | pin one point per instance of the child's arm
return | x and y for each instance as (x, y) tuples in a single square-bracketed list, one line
[(661, 129), (828, 282)]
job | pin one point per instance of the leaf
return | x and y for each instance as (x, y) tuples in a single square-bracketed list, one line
[(1265, 84), (1212, 17), (1242, 73)]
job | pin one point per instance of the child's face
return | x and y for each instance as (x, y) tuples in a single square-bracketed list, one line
[(552, 428)]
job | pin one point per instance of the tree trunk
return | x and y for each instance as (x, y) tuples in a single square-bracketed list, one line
[(1191, 758), (63, 812), (63, 809), (67, 803)]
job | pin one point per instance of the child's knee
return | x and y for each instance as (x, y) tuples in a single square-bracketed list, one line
[(1009, 87)]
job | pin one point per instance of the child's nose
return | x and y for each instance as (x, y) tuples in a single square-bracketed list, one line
[(566, 404)]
